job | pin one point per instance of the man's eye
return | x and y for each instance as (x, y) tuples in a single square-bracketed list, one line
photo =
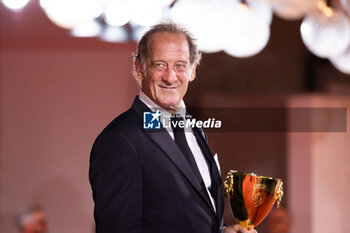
[(181, 67), (159, 66)]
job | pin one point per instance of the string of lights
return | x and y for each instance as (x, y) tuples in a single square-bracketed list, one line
[(241, 28)]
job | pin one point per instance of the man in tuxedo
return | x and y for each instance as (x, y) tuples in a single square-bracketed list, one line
[(162, 180)]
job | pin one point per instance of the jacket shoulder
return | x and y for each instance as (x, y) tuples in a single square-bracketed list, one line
[(128, 120)]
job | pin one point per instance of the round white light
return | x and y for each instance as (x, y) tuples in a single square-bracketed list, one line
[(249, 34), (146, 15), (184, 13), (151, 3), (261, 9), (326, 33), (206, 20), (114, 34), (15, 5), (87, 29), (70, 13), (342, 62), (213, 22), (294, 9), (117, 12), (253, 42), (42, 4), (150, 12)]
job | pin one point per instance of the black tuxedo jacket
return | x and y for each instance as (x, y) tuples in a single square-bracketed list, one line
[(141, 182)]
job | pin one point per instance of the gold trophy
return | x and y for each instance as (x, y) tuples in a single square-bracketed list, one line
[(252, 196)]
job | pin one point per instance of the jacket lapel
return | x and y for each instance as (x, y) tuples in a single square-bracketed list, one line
[(215, 174), (167, 144)]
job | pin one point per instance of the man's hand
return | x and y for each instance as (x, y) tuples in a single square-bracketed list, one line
[(237, 229)]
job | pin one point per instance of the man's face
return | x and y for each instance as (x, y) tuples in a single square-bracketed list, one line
[(168, 70)]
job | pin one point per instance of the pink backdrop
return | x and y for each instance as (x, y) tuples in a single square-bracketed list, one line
[(57, 92), (53, 104)]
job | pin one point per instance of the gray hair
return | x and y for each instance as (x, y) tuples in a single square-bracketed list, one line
[(170, 27)]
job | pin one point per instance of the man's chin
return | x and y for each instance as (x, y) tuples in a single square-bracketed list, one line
[(170, 106)]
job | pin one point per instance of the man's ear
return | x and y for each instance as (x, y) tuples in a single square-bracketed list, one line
[(193, 73), (139, 70)]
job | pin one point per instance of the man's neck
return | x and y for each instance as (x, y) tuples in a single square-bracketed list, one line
[(154, 107)]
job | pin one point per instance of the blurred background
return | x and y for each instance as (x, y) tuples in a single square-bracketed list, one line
[(65, 72)]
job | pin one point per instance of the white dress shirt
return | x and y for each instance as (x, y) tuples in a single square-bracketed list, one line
[(190, 137)]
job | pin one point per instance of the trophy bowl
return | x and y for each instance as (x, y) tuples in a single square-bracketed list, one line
[(252, 196)]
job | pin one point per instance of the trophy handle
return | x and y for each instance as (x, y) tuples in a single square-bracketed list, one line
[(229, 181), (279, 194)]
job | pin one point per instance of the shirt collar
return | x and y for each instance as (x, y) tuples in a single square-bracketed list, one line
[(154, 107)]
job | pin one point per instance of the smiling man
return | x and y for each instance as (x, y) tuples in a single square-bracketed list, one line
[(161, 180), (166, 69)]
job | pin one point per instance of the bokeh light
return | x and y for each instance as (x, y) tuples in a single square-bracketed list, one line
[(15, 5), (326, 33), (114, 34), (117, 12), (294, 9), (146, 15), (87, 29), (70, 13), (342, 62), (249, 33)]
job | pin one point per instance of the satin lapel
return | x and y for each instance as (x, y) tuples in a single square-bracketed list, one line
[(167, 144), (163, 139), (216, 176)]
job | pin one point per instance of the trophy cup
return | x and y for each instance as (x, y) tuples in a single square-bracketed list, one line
[(252, 196)]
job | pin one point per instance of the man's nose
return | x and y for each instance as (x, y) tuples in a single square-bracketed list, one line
[(170, 75)]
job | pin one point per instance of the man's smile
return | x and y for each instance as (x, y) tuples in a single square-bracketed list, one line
[(168, 87)]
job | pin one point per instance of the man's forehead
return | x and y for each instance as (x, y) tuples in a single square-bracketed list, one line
[(166, 34), (159, 39)]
